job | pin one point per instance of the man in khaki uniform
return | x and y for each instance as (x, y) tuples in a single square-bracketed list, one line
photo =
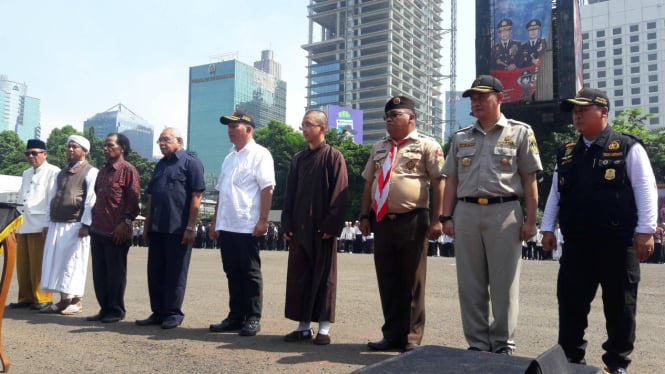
[(491, 165), (398, 175)]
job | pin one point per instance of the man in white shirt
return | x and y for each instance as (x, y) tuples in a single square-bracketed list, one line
[(245, 188), (34, 196)]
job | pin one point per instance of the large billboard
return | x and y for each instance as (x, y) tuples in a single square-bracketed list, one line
[(521, 47), (346, 120)]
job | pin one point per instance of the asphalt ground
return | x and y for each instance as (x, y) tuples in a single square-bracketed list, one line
[(39, 343)]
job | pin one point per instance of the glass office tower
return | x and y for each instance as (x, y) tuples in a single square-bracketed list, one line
[(360, 53), (122, 120), (19, 112), (217, 89)]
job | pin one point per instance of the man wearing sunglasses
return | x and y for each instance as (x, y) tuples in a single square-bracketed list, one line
[(34, 195)]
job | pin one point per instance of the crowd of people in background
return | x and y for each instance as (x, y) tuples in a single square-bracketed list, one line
[(417, 205)]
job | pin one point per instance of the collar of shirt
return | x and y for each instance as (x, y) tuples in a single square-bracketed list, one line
[(502, 122), (251, 144), (115, 164), (412, 135), (40, 167)]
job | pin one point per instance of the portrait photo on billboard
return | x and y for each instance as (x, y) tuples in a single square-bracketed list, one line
[(521, 34)]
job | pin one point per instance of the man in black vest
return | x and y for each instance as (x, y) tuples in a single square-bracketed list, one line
[(604, 196)]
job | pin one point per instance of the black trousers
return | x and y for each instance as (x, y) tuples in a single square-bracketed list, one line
[(109, 274), (400, 260), (168, 265), (587, 263), (242, 265)]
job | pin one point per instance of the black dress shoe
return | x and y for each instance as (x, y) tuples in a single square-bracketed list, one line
[(408, 347), (251, 328), (383, 345), (39, 306), (111, 319), (171, 323), (95, 318), (226, 326), (19, 305), (152, 320)]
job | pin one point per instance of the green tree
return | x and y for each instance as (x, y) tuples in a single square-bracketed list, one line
[(283, 142), (632, 121), (145, 168), (13, 161), (57, 145), (355, 156)]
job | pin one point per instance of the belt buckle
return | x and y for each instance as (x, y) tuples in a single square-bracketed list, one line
[(483, 201), (391, 217)]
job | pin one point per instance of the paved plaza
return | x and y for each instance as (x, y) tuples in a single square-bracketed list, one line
[(37, 343)]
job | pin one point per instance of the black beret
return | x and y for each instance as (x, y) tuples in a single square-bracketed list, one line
[(400, 102)]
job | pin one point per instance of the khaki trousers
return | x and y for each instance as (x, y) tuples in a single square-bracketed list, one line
[(488, 253), (29, 255)]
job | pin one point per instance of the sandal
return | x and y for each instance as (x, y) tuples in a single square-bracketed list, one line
[(50, 309), (72, 309)]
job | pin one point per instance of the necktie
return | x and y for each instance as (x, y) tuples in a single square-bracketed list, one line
[(383, 183)]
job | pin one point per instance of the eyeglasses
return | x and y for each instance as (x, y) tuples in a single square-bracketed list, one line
[(32, 153), (309, 125), (165, 139), (393, 115)]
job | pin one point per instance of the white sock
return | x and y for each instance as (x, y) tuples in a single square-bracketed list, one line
[(324, 327), (303, 326)]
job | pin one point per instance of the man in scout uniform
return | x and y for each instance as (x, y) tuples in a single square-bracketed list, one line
[(395, 204)]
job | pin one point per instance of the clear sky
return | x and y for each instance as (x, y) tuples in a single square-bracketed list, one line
[(81, 57)]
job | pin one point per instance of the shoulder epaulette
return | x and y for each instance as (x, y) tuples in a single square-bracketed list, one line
[(464, 129)]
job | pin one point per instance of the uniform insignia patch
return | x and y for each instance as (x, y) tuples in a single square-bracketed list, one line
[(614, 146), (610, 174)]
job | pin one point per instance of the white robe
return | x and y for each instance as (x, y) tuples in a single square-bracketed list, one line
[(65, 264)]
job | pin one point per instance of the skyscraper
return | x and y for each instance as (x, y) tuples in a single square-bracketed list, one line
[(463, 118), (623, 53), (122, 120), (217, 89), (19, 112), (360, 53)]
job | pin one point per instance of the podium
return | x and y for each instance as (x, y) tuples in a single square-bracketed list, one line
[(436, 359)]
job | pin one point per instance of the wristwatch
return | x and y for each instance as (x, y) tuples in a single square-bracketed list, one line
[(444, 219)]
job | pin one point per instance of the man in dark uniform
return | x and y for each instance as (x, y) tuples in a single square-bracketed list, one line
[(398, 175), (604, 196), (534, 48), (505, 54)]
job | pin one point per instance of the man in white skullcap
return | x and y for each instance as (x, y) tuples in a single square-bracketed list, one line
[(67, 246)]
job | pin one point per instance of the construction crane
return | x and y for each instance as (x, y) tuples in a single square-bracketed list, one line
[(452, 105)]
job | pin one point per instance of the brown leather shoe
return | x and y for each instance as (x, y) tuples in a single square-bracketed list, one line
[(296, 336), (322, 339)]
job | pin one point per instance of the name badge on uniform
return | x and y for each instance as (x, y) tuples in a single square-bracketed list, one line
[(610, 174), (466, 162)]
